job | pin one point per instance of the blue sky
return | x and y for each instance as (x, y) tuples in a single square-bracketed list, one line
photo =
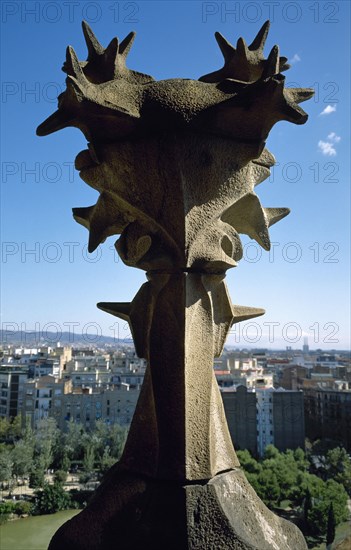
[(50, 282)]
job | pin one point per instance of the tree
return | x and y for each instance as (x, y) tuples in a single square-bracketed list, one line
[(247, 462), (118, 436), (45, 440), (28, 435), (10, 429), (65, 462), (285, 476), (89, 459), (334, 492), (6, 464), (74, 440), (286, 470), (15, 429), (300, 459), (4, 427), (88, 464), (318, 458), (22, 458), (331, 525), (60, 476), (36, 478), (271, 452), (269, 490), (101, 434), (307, 505), (323, 493), (106, 461), (338, 467), (51, 499), (85, 477)]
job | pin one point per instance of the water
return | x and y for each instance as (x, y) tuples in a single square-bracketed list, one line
[(32, 533)]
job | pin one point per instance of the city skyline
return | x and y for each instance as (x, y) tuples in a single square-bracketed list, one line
[(49, 279), (40, 338)]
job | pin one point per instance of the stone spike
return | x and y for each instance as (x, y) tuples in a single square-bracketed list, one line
[(111, 52), (260, 174), (247, 216), (73, 64), (272, 63), (274, 215), (294, 113), (93, 45), (95, 238), (126, 44), (53, 123), (262, 238), (118, 309), (137, 323), (298, 95), (266, 158), (74, 87), (241, 48), (261, 37), (226, 48), (242, 313), (83, 215), (68, 66), (105, 219), (283, 65)]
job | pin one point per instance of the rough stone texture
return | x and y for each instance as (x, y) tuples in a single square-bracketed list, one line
[(132, 512), (185, 234), (176, 163)]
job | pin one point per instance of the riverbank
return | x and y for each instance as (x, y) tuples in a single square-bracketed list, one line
[(34, 532)]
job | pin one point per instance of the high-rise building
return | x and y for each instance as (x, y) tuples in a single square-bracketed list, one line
[(265, 416), (241, 414), (305, 347), (328, 414), (12, 380)]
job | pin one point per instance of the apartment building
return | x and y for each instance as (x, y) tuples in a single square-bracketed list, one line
[(12, 380), (328, 414), (262, 416)]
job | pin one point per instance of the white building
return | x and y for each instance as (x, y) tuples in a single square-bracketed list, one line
[(41, 396), (264, 407)]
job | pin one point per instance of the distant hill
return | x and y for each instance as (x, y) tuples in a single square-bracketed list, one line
[(65, 338)]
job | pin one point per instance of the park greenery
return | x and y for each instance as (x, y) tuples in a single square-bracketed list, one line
[(313, 486), (308, 487), (27, 456)]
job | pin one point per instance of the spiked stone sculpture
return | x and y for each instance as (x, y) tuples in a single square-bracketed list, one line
[(176, 163)]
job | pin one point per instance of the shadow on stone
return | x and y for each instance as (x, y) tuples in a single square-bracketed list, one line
[(130, 513)]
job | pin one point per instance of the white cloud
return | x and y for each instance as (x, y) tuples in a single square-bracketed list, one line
[(328, 110), (327, 148), (295, 58), (333, 137)]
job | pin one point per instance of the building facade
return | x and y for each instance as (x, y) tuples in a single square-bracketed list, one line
[(57, 398), (241, 414), (12, 381), (263, 416), (288, 419), (328, 415), (40, 395), (86, 406)]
